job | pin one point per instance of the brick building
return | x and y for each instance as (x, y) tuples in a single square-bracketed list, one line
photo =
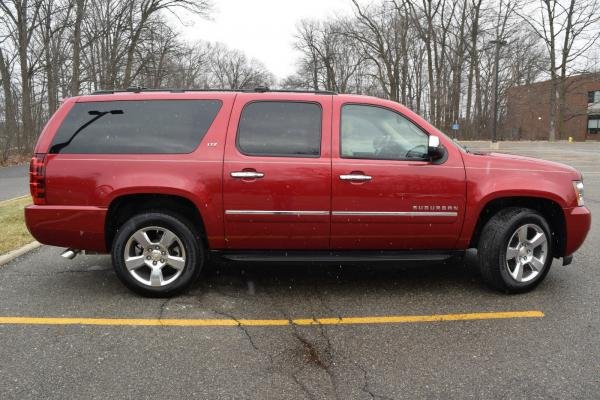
[(528, 110)]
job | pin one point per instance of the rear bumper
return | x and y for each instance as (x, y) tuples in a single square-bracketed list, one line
[(578, 222), (79, 227)]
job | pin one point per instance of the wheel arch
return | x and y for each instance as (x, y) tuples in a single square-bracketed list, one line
[(124, 207), (548, 208)]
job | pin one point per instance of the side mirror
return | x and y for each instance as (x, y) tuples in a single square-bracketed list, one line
[(435, 150)]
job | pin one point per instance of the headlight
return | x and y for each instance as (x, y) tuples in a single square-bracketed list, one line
[(578, 186)]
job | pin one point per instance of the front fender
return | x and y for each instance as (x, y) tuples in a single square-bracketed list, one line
[(485, 185)]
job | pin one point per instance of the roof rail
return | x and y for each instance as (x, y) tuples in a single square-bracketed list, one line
[(266, 89), (259, 89)]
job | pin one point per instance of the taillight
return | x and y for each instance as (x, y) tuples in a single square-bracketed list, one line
[(37, 178)]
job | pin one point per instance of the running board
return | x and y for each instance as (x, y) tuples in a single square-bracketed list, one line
[(336, 256)]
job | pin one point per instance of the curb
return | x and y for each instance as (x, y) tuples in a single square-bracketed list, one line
[(11, 255), (2, 202)]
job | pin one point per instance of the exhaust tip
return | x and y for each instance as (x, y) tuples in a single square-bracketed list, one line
[(69, 254)]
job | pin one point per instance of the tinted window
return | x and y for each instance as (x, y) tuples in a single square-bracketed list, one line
[(377, 133), (153, 126), (274, 128)]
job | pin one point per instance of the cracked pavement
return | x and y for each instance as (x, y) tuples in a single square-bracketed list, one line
[(551, 357)]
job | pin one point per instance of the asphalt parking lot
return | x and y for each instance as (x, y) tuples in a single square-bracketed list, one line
[(553, 353)]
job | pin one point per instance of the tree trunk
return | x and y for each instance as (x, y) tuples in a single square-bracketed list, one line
[(474, 60), (52, 89), (26, 109), (554, 92), (75, 79), (478, 115), (10, 120)]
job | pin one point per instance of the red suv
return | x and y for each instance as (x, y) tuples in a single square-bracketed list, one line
[(162, 178)]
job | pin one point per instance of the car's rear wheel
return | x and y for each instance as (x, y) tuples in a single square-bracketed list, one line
[(515, 250), (157, 254)]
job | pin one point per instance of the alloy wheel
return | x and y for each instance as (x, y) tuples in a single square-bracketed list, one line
[(154, 256), (526, 253)]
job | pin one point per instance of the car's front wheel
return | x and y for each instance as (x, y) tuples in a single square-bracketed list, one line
[(157, 254), (515, 250)]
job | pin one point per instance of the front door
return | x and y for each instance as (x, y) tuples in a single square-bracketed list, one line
[(277, 172), (385, 194)]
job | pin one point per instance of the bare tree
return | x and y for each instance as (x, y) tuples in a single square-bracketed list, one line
[(474, 14), (55, 48), (191, 67), (140, 12), (156, 50), (22, 19), (10, 108), (436, 56), (423, 16), (568, 29), (330, 59), (382, 34), (79, 15), (55, 17), (231, 69), (433, 55)]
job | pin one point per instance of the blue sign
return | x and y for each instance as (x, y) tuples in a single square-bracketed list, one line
[(455, 127)]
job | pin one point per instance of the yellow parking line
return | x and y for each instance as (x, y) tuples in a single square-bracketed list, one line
[(399, 319), (403, 319)]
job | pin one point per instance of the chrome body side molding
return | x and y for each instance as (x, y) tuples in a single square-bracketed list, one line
[(274, 212), (346, 213), (397, 213)]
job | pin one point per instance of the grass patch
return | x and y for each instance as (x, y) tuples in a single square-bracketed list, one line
[(13, 232)]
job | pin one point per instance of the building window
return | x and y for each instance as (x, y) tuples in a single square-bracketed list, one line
[(594, 97), (593, 124)]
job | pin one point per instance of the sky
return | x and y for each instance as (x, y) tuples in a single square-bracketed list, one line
[(263, 29)]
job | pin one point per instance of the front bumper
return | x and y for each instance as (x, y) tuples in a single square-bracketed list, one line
[(578, 223), (79, 227)]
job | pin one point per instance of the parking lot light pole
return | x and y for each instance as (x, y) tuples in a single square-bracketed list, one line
[(498, 43)]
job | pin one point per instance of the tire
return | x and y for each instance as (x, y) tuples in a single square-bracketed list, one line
[(513, 256), (157, 254)]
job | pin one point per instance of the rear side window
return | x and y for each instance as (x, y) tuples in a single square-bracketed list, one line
[(280, 128), (135, 127)]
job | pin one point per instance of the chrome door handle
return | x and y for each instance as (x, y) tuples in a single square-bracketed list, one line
[(247, 174), (355, 177)]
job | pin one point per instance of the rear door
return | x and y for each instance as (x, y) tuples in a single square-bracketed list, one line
[(277, 172), (385, 194)]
